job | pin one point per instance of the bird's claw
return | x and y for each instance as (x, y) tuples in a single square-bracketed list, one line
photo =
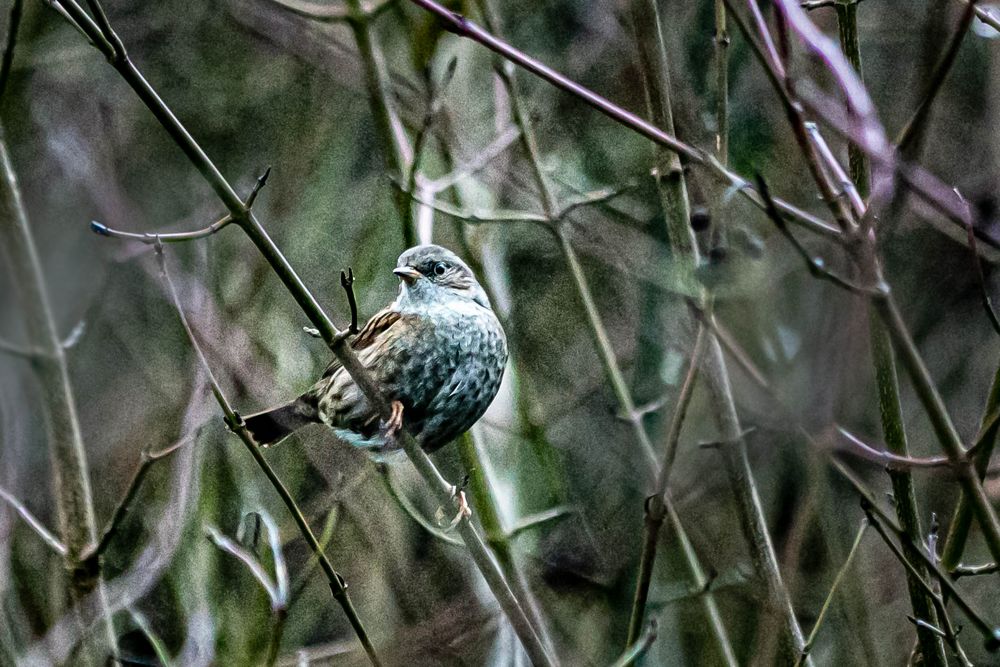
[(395, 421), (464, 511)]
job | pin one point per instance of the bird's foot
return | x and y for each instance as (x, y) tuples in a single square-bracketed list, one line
[(464, 511), (391, 426)]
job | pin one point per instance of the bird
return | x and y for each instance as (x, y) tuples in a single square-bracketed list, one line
[(437, 353)]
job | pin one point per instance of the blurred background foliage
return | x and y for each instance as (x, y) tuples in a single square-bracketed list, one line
[(260, 86)]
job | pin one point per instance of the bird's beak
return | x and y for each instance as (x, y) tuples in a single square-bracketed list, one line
[(407, 274)]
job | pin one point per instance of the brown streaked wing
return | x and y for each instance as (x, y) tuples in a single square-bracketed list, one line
[(377, 325)]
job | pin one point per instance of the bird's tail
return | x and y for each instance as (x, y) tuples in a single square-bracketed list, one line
[(272, 426)]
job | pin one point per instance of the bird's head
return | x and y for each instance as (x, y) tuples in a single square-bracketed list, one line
[(430, 273)]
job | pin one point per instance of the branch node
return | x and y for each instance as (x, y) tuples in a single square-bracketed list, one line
[(261, 181)]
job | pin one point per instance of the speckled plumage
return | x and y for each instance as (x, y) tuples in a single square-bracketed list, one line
[(438, 349)]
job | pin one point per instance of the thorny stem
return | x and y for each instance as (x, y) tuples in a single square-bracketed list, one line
[(947, 634), (335, 340), (941, 422), (991, 633), (904, 494)]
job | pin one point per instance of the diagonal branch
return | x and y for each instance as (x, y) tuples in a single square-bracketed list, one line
[(235, 423), (462, 26), (147, 460), (152, 238), (811, 639), (34, 523)]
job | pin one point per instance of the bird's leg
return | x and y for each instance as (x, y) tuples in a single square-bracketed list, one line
[(395, 422), (464, 511)]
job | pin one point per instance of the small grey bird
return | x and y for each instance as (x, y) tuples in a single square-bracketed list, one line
[(438, 351)]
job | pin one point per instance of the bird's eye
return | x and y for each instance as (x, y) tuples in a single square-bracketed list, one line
[(440, 269)]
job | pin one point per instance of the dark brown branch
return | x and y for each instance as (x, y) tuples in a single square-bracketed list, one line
[(817, 267), (975, 570), (347, 282), (121, 511)]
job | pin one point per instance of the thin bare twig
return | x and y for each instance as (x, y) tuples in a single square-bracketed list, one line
[(464, 27), (975, 570), (639, 647), (531, 522), (347, 282), (23, 351), (33, 522), (236, 424), (811, 639), (817, 266), (977, 265), (147, 460), (277, 590), (500, 143), (414, 513), (152, 238), (909, 137)]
